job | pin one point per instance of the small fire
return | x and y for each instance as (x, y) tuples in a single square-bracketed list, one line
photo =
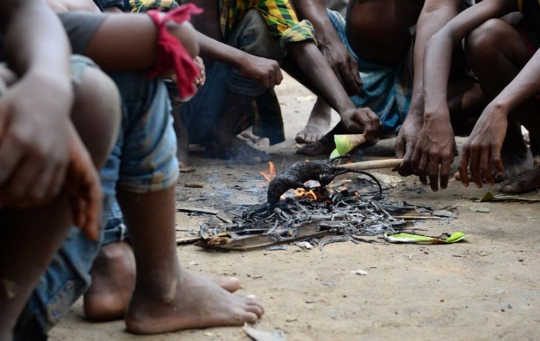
[(270, 173), (302, 193)]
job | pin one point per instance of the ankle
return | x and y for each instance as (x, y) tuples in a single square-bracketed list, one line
[(160, 288)]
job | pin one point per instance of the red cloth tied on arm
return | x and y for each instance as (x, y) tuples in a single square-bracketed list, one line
[(171, 52)]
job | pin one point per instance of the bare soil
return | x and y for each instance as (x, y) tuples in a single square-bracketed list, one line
[(486, 288)]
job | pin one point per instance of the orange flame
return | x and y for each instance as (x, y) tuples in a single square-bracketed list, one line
[(300, 192), (270, 173)]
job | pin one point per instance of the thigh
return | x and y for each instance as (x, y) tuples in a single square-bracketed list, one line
[(498, 36)]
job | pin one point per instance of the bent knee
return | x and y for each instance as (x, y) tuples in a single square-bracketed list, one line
[(97, 113), (484, 42)]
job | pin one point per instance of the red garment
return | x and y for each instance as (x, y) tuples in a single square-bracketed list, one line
[(171, 52)]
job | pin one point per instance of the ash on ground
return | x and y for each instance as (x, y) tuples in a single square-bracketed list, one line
[(345, 210)]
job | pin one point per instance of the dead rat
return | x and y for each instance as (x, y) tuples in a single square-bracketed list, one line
[(300, 172)]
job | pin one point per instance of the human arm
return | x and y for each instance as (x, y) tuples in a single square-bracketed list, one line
[(435, 146), (323, 78), (483, 148), (435, 14), (336, 53), (37, 146), (298, 37), (33, 129), (266, 71)]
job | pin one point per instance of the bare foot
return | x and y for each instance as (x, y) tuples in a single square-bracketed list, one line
[(515, 162), (196, 302), (525, 182), (323, 146), (233, 149), (113, 282), (248, 136), (317, 125)]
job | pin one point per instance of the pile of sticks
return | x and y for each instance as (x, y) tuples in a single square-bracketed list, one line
[(339, 214)]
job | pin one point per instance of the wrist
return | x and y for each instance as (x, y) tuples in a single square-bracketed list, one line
[(240, 60), (53, 82), (498, 106), (344, 109), (437, 116)]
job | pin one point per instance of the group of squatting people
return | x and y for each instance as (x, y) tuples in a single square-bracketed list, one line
[(100, 99)]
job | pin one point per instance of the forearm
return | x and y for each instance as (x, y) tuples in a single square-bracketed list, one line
[(435, 14), (322, 76), (216, 50), (35, 41), (438, 58), (315, 12), (525, 86), (438, 52)]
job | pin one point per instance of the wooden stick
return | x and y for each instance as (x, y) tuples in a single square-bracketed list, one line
[(197, 210), (374, 164)]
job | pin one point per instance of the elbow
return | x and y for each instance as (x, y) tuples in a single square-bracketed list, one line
[(439, 39)]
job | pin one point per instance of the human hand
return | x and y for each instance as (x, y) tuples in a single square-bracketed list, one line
[(406, 141), (266, 71), (483, 147), (84, 188), (34, 119), (434, 149), (201, 79), (362, 120), (344, 65)]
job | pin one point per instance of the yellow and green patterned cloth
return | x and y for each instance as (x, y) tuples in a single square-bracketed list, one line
[(141, 6), (278, 14)]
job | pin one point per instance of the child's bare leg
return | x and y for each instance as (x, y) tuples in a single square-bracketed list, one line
[(113, 282), (166, 297), (317, 124), (30, 239), (507, 57)]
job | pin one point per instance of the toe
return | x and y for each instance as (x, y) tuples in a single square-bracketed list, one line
[(510, 188), (249, 318), (230, 284), (300, 137), (255, 309), (311, 138)]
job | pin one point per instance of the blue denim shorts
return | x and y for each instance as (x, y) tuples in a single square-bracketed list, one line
[(144, 157), (143, 160)]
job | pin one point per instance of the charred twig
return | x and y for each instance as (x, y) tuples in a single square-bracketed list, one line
[(335, 239)]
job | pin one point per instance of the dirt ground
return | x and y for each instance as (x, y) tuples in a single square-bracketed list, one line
[(486, 288)]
